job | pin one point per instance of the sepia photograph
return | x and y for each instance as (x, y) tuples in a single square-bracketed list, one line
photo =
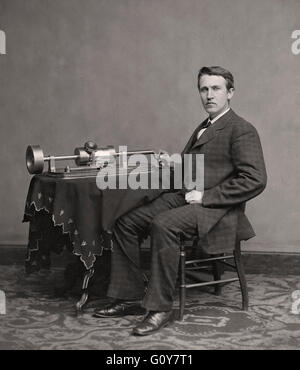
[(150, 173)]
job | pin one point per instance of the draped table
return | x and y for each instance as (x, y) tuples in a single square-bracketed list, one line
[(73, 213)]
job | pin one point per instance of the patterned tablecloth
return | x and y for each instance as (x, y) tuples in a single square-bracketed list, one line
[(75, 214)]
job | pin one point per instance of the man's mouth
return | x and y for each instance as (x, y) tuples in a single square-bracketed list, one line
[(210, 103)]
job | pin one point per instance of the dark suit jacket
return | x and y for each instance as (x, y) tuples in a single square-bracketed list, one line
[(234, 172)]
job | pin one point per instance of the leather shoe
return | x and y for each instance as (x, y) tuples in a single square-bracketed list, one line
[(154, 321), (120, 309)]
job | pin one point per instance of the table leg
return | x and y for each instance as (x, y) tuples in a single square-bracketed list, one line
[(85, 294)]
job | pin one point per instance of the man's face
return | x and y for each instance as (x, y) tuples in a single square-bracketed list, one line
[(214, 94)]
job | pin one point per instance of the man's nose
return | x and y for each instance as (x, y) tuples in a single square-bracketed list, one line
[(209, 94)]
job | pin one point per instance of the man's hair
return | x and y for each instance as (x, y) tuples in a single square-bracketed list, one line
[(217, 71)]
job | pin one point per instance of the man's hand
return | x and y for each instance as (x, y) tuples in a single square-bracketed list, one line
[(194, 196)]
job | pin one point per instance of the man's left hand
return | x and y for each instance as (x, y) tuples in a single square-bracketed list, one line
[(194, 196)]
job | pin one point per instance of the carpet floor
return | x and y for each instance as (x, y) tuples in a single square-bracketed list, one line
[(36, 319)]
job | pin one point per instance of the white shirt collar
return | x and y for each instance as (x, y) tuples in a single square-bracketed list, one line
[(219, 116)]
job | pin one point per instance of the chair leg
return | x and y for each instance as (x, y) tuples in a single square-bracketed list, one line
[(217, 276), (241, 275), (182, 288)]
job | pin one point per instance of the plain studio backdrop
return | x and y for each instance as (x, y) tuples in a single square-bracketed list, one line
[(123, 72)]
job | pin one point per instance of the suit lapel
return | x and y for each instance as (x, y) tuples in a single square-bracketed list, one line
[(192, 139), (207, 135), (211, 131)]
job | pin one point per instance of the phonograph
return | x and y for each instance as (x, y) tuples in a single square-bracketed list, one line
[(89, 159)]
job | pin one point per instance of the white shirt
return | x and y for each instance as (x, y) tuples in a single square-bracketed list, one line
[(212, 121)]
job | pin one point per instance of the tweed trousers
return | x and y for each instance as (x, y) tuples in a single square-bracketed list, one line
[(164, 219)]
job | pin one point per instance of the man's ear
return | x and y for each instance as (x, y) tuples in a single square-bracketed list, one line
[(230, 93)]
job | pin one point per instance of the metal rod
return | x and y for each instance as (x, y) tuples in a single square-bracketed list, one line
[(67, 157), (136, 152), (63, 157)]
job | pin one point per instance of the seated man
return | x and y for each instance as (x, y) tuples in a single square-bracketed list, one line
[(234, 172)]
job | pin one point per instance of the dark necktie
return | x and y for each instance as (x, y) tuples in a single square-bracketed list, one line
[(205, 125)]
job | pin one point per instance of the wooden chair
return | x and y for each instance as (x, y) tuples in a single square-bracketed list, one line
[(215, 262)]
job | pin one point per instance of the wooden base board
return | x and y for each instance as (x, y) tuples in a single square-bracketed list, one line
[(255, 262)]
